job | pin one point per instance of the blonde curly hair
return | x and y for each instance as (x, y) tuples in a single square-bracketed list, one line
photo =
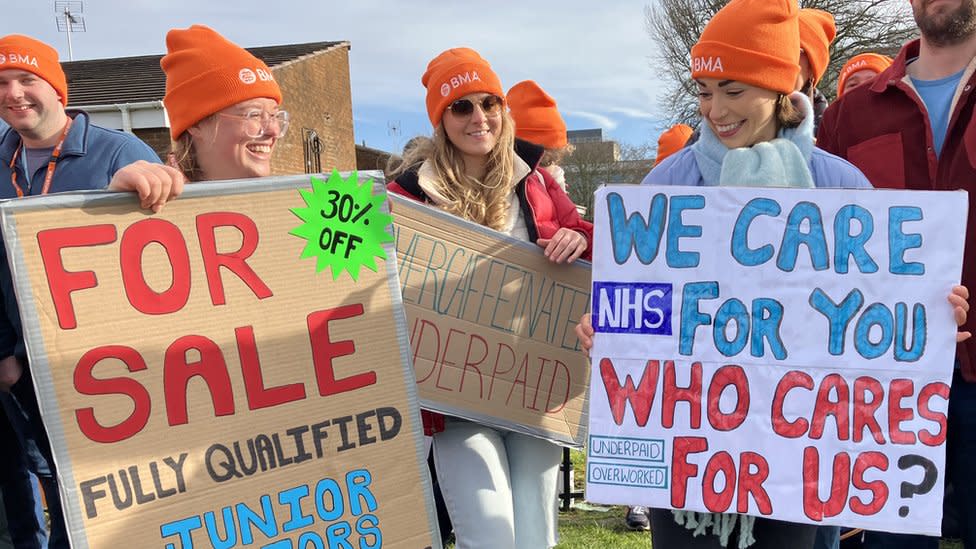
[(485, 201)]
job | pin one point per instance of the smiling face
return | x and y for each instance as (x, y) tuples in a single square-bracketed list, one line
[(31, 106), (474, 135), (223, 147), (740, 115)]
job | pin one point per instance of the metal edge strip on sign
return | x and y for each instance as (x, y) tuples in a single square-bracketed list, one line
[(492, 421), (82, 199), (406, 356)]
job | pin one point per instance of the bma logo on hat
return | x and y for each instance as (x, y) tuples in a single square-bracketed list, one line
[(707, 64), (247, 76), (22, 59), (459, 80), (856, 66)]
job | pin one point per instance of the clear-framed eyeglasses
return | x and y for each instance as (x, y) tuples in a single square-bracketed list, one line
[(257, 122)]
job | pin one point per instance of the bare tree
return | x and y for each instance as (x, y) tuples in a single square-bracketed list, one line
[(595, 164), (880, 26)]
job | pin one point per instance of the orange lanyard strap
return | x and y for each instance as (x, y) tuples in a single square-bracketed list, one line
[(50, 165)]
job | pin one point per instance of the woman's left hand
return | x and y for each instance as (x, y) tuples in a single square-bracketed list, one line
[(564, 246), (959, 299)]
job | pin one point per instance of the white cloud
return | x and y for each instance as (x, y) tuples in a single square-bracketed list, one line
[(600, 120), (634, 113)]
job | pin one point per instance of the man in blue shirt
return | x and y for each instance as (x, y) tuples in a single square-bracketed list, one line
[(46, 150)]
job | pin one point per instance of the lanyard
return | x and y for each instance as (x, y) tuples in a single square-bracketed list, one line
[(50, 165)]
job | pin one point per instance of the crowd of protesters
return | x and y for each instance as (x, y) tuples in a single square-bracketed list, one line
[(493, 159)]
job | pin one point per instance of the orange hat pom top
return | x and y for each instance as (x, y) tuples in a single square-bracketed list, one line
[(756, 42), (27, 54), (865, 61), (452, 75), (537, 119), (672, 141), (817, 31), (206, 73)]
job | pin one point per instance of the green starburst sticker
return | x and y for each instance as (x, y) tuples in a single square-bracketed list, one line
[(344, 224)]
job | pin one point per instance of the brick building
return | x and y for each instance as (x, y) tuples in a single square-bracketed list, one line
[(126, 93)]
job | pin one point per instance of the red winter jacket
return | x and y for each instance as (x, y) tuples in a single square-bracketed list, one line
[(883, 128), (545, 206)]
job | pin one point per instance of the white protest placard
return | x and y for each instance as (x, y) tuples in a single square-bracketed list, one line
[(774, 352)]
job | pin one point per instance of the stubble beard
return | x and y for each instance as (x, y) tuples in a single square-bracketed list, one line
[(947, 28)]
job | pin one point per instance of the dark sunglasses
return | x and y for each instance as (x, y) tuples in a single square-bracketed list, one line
[(491, 105)]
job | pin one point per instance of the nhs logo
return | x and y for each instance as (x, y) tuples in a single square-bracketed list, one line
[(632, 308)]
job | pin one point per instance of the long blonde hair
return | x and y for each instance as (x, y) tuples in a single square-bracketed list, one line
[(485, 202)]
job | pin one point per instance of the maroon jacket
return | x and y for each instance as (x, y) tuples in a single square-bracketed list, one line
[(883, 128), (546, 209)]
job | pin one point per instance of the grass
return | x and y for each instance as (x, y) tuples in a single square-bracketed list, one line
[(598, 530)]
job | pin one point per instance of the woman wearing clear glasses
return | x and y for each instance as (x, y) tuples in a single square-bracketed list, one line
[(499, 486), (222, 104)]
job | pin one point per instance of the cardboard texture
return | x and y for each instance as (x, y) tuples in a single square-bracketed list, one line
[(205, 387), (491, 325)]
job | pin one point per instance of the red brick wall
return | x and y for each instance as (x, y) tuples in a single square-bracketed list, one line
[(318, 95)]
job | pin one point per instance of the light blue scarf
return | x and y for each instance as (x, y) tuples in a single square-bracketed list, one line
[(782, 162)]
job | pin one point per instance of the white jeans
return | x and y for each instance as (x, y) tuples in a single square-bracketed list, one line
[(499, 486)]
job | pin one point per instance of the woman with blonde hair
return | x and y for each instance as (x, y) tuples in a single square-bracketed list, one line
[(499, 486)]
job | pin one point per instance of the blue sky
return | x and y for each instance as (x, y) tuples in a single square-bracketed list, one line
[(594, 58)]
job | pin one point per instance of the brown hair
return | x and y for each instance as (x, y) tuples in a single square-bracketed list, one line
[(185, 156), (486, 201), (787, 116)]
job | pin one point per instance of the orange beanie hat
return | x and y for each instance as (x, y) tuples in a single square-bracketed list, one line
[(205, 73), (536, 117), (452, 75), (865, 61), (672, 141), (27, 54), (817, 31), (756, 42)]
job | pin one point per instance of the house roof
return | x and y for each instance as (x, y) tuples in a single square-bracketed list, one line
[(137, 79)]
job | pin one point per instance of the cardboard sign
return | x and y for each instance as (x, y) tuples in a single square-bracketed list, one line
[(204, 386), (772, 352), (491, 324)]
